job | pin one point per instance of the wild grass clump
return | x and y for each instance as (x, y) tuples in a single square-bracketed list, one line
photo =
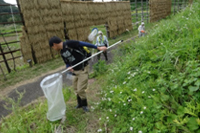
[(29, 119), (154, 87)]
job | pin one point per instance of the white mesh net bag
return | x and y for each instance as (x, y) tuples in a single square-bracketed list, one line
[(92, 35), (52, 88)]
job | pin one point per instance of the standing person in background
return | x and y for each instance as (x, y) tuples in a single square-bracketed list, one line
[(141, 30), (72, 53), (102, 41)]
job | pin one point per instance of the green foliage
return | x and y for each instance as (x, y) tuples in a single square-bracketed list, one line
[(27, 119), (155, 85), (99, 68), (6, 9), (152, 87)]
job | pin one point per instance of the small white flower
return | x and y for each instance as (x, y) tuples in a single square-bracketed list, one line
[(124, 104), (133, 119), (124, 82), (99, 130), (145, 107), (148, 72), (133, 75), (135, 89), (107, 117), (161, 43), (115, 115), (111, 91), (109, 99), (141, 112), (115, 86), (110, 110), (187, 18), (99, 118), (129, 100), (129, 77), (142, 91), (120, 92), (131, 128), (129, 72), (139, 131), (154, 89), (149, 96)]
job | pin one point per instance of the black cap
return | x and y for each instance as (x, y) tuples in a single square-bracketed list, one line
[(54, 39)]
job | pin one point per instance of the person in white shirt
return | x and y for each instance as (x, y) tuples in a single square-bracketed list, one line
[(102, 41), (141, 30)]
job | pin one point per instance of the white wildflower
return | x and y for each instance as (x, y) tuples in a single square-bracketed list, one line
[(131, 128), (149, 96), (109, 99), (145, 107), (154, 89), (142, 91), (124, 104), (111, 91), (120, 92), (99, 118), (115, 115), (139, 131), (129, 72), (141, 112), (107, 117), (133, 119), (99, 130), (124, 82), (110, 110), (135, 89)]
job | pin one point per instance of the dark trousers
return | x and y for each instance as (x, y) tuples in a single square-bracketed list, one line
[(104, 53)]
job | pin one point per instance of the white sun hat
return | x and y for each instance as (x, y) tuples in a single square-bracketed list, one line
[(100, 32)]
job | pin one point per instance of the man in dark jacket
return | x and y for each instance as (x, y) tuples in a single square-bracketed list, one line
[(70, 51)]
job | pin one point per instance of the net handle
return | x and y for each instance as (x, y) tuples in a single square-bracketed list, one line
[(90, 57)]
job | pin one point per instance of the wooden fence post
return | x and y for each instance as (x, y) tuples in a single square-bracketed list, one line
[(4, 58), (174, 4), (136, 12), (142, 17), (147, 15)]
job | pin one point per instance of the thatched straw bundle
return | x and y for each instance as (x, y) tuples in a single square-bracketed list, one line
[(25, 45), (37, 29), (70, 25), (51, 19), (72, 34), (25, 4), (78, 24), (33, 13), (54, 4), (42, 4), (83, 33), (159, 9), (67, 8), (26, 51)]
